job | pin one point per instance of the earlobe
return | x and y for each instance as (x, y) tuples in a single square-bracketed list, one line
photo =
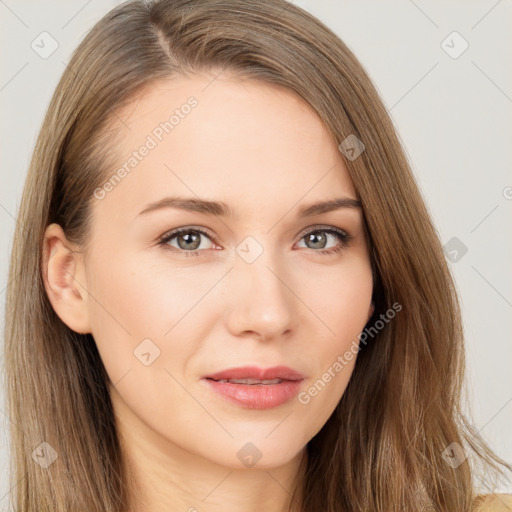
[(63, 274)]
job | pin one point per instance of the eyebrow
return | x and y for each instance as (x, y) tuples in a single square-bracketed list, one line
[(222, 209)]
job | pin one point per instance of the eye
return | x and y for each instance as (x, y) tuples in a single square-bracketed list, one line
[(188, 240), (189, 243), (318, 237)]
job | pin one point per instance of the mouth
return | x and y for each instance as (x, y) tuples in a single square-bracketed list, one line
[(255, 388)]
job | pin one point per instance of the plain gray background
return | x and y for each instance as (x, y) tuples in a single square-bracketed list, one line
[(452, 109)]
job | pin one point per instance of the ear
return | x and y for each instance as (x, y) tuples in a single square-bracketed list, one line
[(63, 273)]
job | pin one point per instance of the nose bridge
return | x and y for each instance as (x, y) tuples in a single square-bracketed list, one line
[(261, 301)]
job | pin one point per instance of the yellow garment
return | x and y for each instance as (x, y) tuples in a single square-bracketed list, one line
[(494, 503)]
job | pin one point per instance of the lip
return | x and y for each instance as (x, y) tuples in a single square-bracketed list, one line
[(253, 372), (256, 396)]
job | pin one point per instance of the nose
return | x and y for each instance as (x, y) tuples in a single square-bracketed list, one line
[(262, 302)]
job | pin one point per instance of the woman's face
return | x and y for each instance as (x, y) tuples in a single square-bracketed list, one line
[(254, 290)]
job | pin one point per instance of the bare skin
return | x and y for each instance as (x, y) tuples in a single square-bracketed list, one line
[(264, 152)]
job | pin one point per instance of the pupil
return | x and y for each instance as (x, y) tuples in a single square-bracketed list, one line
[(189, 239), (321, 236)]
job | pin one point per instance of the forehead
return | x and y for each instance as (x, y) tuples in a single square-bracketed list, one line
[(236, 140)]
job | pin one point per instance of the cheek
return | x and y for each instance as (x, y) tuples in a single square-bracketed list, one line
[(341, 298), (341, 301), (132, 300)]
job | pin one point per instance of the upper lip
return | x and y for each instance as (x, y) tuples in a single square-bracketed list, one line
[(253, 372)]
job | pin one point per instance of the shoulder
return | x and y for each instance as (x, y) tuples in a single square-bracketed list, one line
[(493, 503)]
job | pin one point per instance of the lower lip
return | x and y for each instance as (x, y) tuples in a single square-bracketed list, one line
[(257, 396)]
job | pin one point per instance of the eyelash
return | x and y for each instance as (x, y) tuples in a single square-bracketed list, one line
[(342, 236)]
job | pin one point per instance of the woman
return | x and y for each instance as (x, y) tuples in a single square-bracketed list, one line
[(241, 301)]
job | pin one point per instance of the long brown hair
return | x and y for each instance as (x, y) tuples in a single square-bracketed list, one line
[(382, 447)]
